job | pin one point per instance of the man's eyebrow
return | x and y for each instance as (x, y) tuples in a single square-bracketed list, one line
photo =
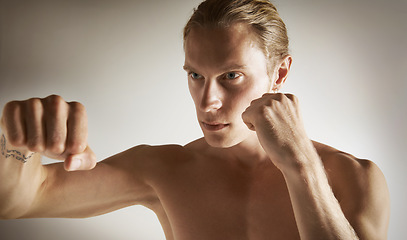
[(223, 69), (233, 67), (187, 68)]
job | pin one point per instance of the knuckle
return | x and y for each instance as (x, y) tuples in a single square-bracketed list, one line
[(34, 103), (292, 98), (55, 103), (12, 109), (289, 95), (77, 108), (270, 102), (11, 106), (11, 115), (33, 107), (279, 96), (76, 147), (54, 98)]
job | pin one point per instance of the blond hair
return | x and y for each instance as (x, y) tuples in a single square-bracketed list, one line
[(269, 29)]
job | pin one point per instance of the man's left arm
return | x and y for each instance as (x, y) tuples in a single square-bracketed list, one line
[(357, 209), (363, 206)]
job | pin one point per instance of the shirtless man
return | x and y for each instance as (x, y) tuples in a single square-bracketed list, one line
[(254, 175)]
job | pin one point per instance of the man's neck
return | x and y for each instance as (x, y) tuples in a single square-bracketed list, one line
[(248, 152)]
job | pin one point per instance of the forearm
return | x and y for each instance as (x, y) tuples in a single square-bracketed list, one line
[(21, 175), (317, 211)]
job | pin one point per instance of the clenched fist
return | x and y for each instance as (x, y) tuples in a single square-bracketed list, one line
[(52, 127), (277, 121)]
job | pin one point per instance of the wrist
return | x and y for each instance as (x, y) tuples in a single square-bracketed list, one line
[(8, 151), (300, 159)]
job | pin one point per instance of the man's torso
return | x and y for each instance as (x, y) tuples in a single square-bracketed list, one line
[(200, 196)]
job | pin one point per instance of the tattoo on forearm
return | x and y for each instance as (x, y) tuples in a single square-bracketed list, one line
[(12, 153)]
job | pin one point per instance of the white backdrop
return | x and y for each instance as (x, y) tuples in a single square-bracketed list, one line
[(123, 60)]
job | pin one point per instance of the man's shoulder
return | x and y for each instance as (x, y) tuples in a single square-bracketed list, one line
[(193, 145), (168, 154), (337, 161), (348, 174), (159, 153)]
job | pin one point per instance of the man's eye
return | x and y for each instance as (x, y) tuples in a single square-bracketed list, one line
[(195, 75), (232, 75)]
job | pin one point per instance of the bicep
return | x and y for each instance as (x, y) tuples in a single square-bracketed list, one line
[(114, 183), (366, 202)]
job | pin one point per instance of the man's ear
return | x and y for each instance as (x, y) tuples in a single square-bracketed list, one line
[(281, 72)]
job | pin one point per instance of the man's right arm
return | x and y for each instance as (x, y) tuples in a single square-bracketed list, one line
[(57, 129)]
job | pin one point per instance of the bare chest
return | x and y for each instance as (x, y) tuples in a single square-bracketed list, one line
[(226, 205)]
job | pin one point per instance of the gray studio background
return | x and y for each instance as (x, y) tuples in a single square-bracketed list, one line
[(123, 60)]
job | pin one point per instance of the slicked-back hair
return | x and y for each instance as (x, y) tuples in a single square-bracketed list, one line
[(260, 15)]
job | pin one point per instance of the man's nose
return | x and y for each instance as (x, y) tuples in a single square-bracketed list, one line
[(211, 97)]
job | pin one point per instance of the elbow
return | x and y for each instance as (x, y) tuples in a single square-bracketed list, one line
[(16, 211), (6, 217), (8, 214)]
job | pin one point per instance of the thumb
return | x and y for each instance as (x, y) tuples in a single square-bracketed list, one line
[(81, 161)]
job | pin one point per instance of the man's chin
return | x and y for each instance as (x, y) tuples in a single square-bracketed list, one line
[(218, 142)]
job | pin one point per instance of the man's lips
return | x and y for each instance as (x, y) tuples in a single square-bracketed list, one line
[(214, 126)]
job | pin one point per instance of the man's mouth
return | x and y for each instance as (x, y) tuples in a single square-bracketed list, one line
[(214, 126)]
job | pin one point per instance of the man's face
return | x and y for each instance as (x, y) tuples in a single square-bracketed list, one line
[(226, 71)]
